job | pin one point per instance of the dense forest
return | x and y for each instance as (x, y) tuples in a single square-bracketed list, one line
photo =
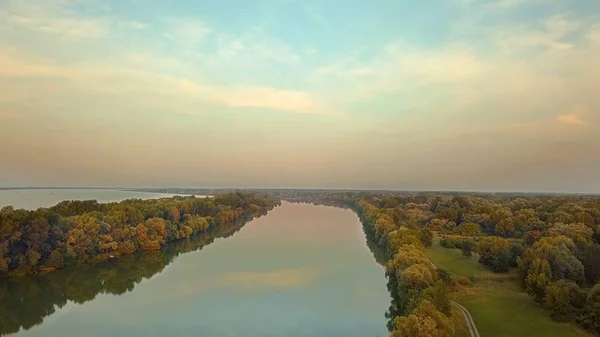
[(25, 302), (75, 232), (553, 242)]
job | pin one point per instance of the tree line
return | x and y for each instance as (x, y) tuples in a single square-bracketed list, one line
[(552, 241), (75, 232), (25, 302)]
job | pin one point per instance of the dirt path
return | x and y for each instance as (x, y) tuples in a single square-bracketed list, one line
[(470, 323)]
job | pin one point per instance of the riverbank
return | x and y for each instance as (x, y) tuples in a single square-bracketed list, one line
[(87, 231)]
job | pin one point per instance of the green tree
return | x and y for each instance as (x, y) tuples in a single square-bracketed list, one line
[(468, 229), (565, 300), (55, 260), (590, 319), (425, 321), (494, 252), (426, 237), (467, 248)]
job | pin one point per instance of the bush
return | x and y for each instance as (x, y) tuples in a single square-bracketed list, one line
[(451, 241)]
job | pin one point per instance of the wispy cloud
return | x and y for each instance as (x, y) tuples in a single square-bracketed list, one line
[(259, 97), (261, 281), (499, 4), (571, 120), (593, 34), (188, 31), (573, 117), (510, 3), (125, 77), (254, 47), (136, 24), (53, 17), (548, 35)]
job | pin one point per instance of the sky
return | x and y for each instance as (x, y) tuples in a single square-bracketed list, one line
[(486, 95)]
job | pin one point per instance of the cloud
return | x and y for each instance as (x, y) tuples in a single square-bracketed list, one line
[(248, 282), (253, 47), (277, 99), (571, 119), (499, 4), (136, 24), (548, 34), (187, 31), (593, 34), (509, 128), (510, 3), (53, 17), (497, 74), (131, 75), (268, 281), (515, 72), (258, 97)]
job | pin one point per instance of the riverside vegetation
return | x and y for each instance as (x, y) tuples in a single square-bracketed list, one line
[(549, 244), (76, 232), (26, 301)]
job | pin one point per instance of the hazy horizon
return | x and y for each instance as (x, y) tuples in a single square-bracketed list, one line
[(436, 95), (534, 192)]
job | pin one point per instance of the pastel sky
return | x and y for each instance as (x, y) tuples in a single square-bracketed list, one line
[(433, 94)]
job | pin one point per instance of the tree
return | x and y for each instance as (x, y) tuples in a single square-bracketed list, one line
[(529, 238), (425, 321), (515, 251), (538, 277), (468, 229), (579, 233), (591, 263), (439, 295), (494, 252), (565, 300), (590, 319), (527, 220), (55, 260), (505, 228), (82, 231), (426, 237), (467, 248)]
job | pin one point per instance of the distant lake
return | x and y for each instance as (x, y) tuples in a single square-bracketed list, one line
[(300, 270), (35, 198)]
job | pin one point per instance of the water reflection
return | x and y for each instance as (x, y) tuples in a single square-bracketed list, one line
[(25, 302), (303, 270)]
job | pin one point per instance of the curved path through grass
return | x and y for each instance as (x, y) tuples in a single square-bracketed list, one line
[(470, 323), (496, 302)]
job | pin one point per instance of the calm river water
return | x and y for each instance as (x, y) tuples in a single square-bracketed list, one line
[(300, 270)]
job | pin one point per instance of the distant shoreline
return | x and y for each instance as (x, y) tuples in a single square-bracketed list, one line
[(171, 190)]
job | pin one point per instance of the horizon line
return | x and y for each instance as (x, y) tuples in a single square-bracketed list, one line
[(5, 188)]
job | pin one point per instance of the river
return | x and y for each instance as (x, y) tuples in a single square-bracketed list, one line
[(300, 270)]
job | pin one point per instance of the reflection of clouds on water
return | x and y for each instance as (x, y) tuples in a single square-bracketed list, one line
[(265, 281), (248, 282), (281, 275)]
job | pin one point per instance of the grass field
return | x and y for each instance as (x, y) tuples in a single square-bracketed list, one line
[(498, 305)]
